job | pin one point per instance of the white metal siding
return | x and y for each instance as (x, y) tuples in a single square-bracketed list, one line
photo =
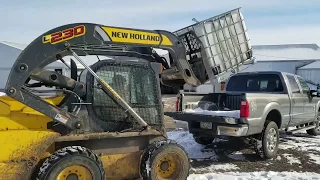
[(4, 73), (287, 66), (310, 74)]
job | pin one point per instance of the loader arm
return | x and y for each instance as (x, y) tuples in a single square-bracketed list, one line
[(80, 39)]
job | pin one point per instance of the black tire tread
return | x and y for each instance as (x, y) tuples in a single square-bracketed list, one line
[(203, 140), (314, 131), (68, 151), (260, 150), (149, 153)]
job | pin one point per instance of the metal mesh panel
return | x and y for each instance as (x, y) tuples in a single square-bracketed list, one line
[(190, 42), (225, 43), (136, 84)]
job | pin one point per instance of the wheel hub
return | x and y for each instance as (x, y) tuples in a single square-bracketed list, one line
[(72, 177), (167, 166), (271, 139), (75, 172), (164, 165)]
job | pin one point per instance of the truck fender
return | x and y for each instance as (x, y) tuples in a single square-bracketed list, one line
[(268, 108)]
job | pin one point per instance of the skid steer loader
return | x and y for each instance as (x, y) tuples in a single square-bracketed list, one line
[(107, 122)]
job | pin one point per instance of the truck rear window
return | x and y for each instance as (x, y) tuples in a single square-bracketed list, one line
[(255, 83)]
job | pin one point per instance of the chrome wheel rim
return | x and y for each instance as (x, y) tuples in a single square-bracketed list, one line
[(271, 139)]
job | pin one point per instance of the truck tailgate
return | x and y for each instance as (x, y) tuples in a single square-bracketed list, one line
[(223, 101)]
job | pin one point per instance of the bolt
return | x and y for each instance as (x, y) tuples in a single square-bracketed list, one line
[(11, 91), (78, 125)]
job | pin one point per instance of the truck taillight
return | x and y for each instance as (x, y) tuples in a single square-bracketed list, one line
[(244, 109), (177, 104)]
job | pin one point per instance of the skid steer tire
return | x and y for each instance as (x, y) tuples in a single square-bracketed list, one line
[(74, 162), (164, 160)]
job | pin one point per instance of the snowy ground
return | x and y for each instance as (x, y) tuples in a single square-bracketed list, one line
[(299, 158)]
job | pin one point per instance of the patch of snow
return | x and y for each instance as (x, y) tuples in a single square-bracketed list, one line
[(268, 164), (237, 156), (258, 147), (278, 158), (195, 150), (305, 143), (291, 159), (314, 157), (148, 168), (232, 114), (214, 167), (255, 175)]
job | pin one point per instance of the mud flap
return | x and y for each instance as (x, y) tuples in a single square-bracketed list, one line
[(21, 151)]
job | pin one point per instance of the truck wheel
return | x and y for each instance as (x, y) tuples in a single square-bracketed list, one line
[(267, 146), (315, 131), (203, 140), (164, 160), (72, 162)]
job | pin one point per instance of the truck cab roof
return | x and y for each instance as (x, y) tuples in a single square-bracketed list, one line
[(265, 72)]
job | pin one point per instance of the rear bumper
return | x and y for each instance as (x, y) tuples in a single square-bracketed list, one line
[(219, 126), (221, 130)]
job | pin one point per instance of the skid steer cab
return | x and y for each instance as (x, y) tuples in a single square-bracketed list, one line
[(106, 122)]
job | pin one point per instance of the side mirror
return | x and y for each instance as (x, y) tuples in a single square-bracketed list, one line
[(313, 93)]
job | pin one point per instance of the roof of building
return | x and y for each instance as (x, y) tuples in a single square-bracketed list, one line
[(286, 52), (314, 65), (14, 45)]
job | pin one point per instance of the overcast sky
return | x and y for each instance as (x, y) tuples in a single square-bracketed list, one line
[(268, 22)]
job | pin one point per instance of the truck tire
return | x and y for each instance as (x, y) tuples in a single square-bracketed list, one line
[(203, 140), (267, 146), (164, 160), (315, 131), (74, 162)]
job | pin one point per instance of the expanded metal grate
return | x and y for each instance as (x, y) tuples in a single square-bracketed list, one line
[(137, 85)]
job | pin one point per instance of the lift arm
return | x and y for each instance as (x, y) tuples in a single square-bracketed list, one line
[(89, 39)]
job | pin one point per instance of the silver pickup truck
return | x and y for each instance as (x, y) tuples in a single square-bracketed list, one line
[(261, 104)]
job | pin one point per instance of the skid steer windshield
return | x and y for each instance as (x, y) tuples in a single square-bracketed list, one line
[(136, 84)]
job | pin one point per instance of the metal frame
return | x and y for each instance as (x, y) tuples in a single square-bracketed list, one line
[(225, 56)]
